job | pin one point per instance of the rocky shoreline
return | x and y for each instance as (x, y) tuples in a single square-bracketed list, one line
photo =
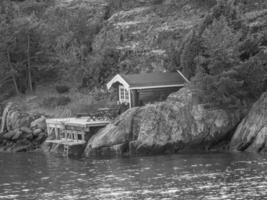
[(20, 131), (181, 124), (177, 125), (251, 133)]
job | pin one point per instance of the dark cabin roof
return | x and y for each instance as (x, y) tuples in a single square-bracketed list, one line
[(153, 79)]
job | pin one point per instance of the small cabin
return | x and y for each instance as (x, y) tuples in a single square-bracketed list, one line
[(139, 89)]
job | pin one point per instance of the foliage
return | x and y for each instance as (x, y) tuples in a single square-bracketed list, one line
[(20, 45), (253, 73), (192, 44), (229, 71), (190, 49), (53, 102), (40, 39), (68, 34), (62, 89), (101, 68)]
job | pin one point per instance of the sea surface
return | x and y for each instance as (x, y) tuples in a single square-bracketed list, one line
[(186, 176)]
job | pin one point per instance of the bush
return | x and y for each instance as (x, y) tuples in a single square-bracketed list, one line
[(100, 95), (62, 101), (53, 102), (62, 89)]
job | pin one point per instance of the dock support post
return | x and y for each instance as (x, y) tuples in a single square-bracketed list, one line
[(66, 150)]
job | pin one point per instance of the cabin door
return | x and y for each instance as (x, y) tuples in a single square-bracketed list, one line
[(135, 98)]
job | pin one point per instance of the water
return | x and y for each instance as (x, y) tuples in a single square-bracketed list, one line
[(198, 176)]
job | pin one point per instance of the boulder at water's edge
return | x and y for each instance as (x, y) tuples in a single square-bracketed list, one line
[(17, 134), (251, 134), (177, 124)]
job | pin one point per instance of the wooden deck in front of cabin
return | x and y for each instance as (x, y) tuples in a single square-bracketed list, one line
[(71, 131)]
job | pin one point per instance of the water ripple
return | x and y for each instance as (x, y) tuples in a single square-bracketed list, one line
[(199, 176)]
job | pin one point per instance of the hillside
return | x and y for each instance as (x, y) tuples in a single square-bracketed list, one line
[(147, 36), (82, 43)]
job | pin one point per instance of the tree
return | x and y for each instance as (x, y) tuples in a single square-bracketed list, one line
[(7, 40), (20, 43), (230, 66), (26, 33), (192, 46), (68, 34), (215, 76)]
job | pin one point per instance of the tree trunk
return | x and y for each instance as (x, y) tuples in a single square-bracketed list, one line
[(29, 64), (12, 73)]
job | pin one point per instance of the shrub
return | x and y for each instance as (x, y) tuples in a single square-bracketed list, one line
[(101, 69), (62, 89), (156, 2), (100, 95), (62, 101), (53, 102)]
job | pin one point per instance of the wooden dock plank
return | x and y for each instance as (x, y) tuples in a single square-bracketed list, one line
[(84, 122), (66, 142)]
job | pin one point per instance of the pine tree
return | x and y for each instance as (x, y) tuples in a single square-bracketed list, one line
[(215, 75)]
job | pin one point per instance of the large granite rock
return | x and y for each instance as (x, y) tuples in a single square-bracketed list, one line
[(251, 134), (179, 124)]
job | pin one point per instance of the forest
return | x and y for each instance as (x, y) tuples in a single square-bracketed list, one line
[(44, 41)]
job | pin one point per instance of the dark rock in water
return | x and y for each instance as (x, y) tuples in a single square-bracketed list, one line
[(17, 135), (2, 148), (9, 134), (39, 123), (28, 136), (41, 138), (26, 130), (8, 148), (36, 132), (251, 134), (23, 141), (22, 148), (179, 124)]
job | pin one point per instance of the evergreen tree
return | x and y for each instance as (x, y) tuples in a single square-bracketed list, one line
[(230, 71), (215, 76)]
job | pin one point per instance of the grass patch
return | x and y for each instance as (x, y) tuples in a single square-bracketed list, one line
[(52, 102), (81, 102), (49, 102)]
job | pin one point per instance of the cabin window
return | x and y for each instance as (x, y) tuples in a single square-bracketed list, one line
[(123, 95)]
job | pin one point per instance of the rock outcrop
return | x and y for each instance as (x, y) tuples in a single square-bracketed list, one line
[(251, 134), (179, 124), (21, 131), (146, 34)]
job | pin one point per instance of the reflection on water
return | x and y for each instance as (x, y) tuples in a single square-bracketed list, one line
[(197, 176)]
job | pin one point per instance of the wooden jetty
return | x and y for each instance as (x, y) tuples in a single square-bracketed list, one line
[(71, 131)]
